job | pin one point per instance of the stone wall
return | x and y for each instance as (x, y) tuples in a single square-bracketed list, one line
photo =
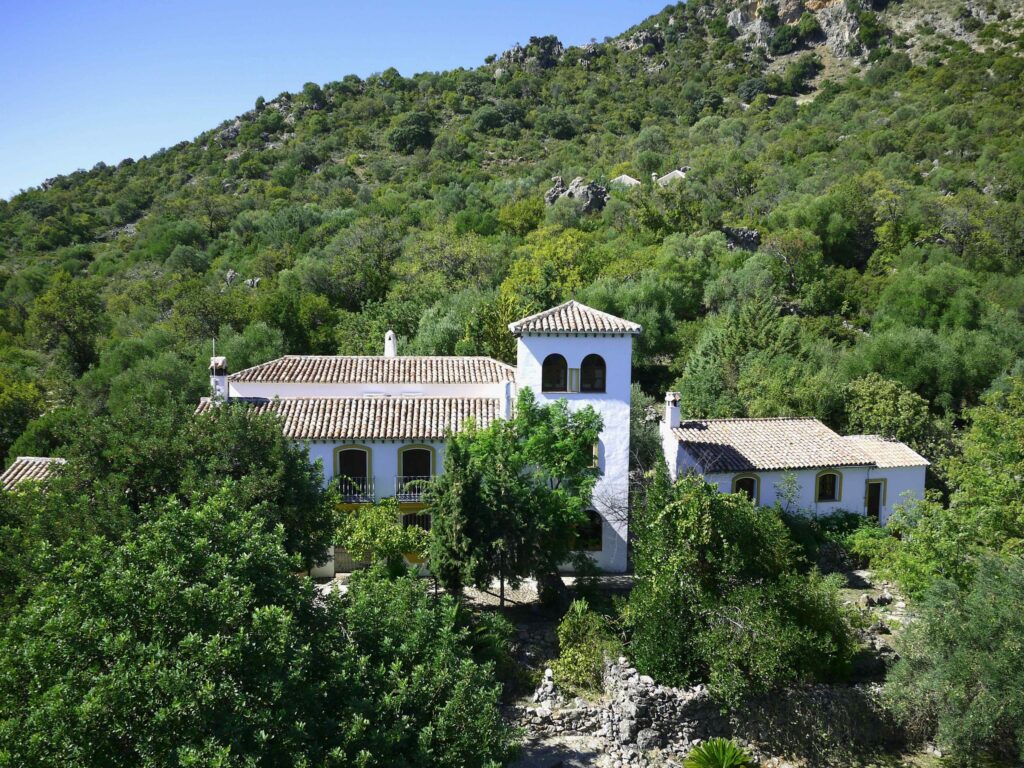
[(643, 723)]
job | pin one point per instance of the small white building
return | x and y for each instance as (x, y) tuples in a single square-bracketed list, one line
[(671, 177), (624, 180), (379, 422), (794, 461)]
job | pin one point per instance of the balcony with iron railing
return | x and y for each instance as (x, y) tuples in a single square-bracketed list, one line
[(410, 488), (356, 490)]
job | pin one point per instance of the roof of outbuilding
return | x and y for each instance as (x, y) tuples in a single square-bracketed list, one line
[(573, 317), (372, 418), (887, 453), (745, 445), (625, 179), (673, 175), (335, 369), (37, 468)]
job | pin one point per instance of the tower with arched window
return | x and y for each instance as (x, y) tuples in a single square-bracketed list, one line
[(575, 353)]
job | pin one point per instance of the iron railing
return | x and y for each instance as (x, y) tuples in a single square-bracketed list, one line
[(411, 487), (356, 489)]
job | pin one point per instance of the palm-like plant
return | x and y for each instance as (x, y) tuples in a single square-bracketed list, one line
[(719, 753)]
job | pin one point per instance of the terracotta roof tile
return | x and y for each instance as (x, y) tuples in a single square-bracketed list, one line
[(743, 445), (37, 468), (573, 317), (887, 453), (336, 369), (372, 418)]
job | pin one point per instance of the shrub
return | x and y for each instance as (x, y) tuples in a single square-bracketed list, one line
[(411, 132), (785, 40), (719, 598), (959, 679), (718, 753), (585, 638)]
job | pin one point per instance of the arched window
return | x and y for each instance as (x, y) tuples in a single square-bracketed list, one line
[(416, 469), (829, 486), (554, 375), (748, 485), (588, 535), (352, 468), (592, 374)]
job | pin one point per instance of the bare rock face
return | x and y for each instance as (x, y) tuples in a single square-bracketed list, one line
[(840, 28), (748, 26), (640, 39), (228, 134), (590, 195), (790, 10)]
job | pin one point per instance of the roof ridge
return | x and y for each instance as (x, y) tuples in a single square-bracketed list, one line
[(615, 324), (758, 418)]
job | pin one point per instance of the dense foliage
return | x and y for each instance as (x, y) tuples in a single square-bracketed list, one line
[(959, 679), (586, 641), (192, 642), (929, 540), (512, 495), (719, 597), (888, 206), (123, 466)]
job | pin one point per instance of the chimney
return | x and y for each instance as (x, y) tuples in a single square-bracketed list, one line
[(390, 344), (671, 410), (654, 176), (219, 378)]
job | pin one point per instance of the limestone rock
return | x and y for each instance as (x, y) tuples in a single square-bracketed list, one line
[(648, 739), (840, 28), (590, 195), (640, 39)]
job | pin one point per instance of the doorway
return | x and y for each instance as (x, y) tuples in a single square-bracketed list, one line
[(875, 498)]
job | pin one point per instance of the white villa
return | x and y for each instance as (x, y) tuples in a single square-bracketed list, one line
[(379, 422), (798, 461)]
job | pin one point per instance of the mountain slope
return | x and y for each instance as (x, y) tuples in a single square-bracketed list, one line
[(883, 177)]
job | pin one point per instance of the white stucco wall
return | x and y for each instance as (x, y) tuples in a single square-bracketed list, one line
[(611, 492), (383, 460), (281, 389), (384, 468), (900, 484)]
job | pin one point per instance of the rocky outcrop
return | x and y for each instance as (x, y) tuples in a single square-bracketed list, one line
[(640, 39), (840, 28), (640, 722), (590, 195), (542, 52), (748, 26), (742, 237)]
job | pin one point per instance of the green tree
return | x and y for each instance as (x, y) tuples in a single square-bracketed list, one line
[(928, 541), (879, 406), (67, 319), (719, 598), (959, 680), (20, 403), (410, 132), (512, 495), (373, 532), (194, 643)]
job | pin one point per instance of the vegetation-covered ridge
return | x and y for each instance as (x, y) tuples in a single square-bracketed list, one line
[(888, 209)]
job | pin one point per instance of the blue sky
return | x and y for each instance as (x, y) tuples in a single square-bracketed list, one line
[(82, 82)]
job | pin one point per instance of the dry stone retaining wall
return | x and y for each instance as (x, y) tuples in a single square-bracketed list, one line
[(641, 722)]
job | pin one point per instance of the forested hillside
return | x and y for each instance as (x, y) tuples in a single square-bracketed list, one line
[(846, 241), (887, 204)]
